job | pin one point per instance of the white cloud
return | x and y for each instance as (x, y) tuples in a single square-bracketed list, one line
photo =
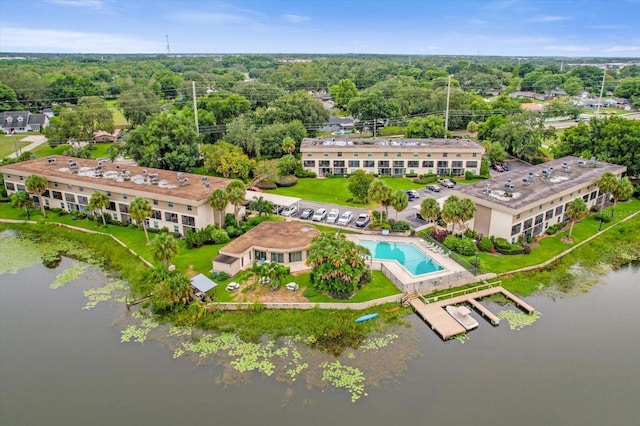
[(607, 27), (622, 49), (549, 18), (209, 17), (91, 4), (16, 39), (567, 48), (296, 19)]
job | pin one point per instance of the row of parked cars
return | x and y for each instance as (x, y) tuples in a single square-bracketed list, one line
[(500, 167), (332, 216)]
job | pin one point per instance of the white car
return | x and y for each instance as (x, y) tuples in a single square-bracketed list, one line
[(333, 215), (319, 215), (345, 218), (290, 211), (232, 286), (292, 286)]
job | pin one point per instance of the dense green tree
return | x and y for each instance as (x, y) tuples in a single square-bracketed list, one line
[(576, 211), (573, 86), (399, 201), (240, 132), (288, 145), (166, 141), (70, 88), (606, 184), (36, 185), (300, 106), (427, 127), (224, 106), (22, 200), (338, 265), (430, 209), (623, 190), (140, 210), (380, 193), (8, 98), (164, 247), (99, 201), (372, 105), (168, 83), (138, 103), (486, 130), (495, 152), (358, 184), (227, 160), (262, 206), (450, 211), (287, 165), (629, 88), (259, 94), (343, 92), (172, 291)]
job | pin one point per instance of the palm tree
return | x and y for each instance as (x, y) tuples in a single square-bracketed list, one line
[(275, 272), (380, 193), (288, 144), (622, 191), (399, 201), (466, 210), (37, 185), (430, 209), (235, 194), (163, 248), (99, 201), (451, 211), (262, 206), (218, 201), (140, 209), (606, 184), (576, 211), (22, 200)]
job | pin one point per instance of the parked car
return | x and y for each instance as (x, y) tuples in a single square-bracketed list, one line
[(290, 211), (506, 167), (333, 215), (319, 215), (306, 214), (345, 218), (434, 188), (277, 209), (363, 220), (498, 168), (447, 183), (411, 194), (232, 286), (292, 286)]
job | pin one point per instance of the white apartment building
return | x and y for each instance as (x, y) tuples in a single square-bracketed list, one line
[(391, 156), (178, 200), (529, 202)]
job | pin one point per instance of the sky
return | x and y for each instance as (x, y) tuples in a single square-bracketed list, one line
[(578, 28)]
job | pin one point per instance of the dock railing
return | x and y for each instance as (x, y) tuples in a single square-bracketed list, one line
[(462, 292)]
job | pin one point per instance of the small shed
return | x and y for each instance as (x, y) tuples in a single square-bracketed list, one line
[(201, 283)]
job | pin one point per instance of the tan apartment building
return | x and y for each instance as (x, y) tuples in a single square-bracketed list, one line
[(390, 156), (511, 204), (178, 200)]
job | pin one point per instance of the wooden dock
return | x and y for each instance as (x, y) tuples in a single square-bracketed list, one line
[(436, 316)]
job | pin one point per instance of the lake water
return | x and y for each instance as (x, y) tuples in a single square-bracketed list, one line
[(579, 364)]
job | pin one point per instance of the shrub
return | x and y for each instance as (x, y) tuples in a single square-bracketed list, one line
[(426, 179), (602, 217), (468, 175), (303, 173), (502, 245), (255, 221), (466, 247), (266, 185), (486, 244), (595, 208), (219, 236), (400, 225), (537, 160), (438, 235), (516, 249), (411, 175), (233, 232), (286, 181), (451, 242)]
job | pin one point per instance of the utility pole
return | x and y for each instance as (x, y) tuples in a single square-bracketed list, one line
[(604, 75), (195, 107), (446, 112), (168, 48)]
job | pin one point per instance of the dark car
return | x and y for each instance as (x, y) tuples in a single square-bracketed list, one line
[(306, 214), (434, 188), (505, 167), (363, 220)]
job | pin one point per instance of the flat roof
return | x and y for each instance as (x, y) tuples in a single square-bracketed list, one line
[(274, 236), (533, 184), (277, 200), (137, 178), (390, 143), (202, 283)]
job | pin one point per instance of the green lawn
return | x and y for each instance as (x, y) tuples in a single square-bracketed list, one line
[(45, 150), (335, 190), (9, 144), (118, 117)]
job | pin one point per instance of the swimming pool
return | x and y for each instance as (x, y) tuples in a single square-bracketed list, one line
[(414, 260)]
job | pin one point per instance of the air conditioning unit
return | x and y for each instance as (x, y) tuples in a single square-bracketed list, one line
[(581, 162), (184, 181), (526, 180)]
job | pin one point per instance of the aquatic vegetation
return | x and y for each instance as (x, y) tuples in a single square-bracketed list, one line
[(24, 253), (517, 320), (138, 333), (115, 290), (69, 275), (343, 376), (462, 337), (378, 342)]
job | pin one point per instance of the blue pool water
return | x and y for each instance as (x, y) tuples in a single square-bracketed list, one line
[(412, 258)]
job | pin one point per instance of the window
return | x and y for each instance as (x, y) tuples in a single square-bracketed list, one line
[(326, 154), (528, 223), (456, 164), (124, 196), (21, 178), (458, 155), (398, 154), (277, 257), (155, 224), (474, 155), (427, 163), (10, 186), (324, 163), (188, 220), (383, 163), (445, 154), (112, 207), (296, 256), (108, 193), (176, 229), (354, 163), (518, 216), (429, 155), (339, 154), (593, 196), (413, 163), (170, 204), (155, 214), (69, 187), (386, 154), (46, 194), (155, 202), (515, 229), (472, 164), (189, 208), (369, 163), (369, 154), (21, 187), (83, 201), (538, 219), (356, 154), (57, 195), (81, 189), (309, 163), (260, 255), (124, 208), (338, 163), (548, 215), (171, 217), (398, 163), (442, 164)]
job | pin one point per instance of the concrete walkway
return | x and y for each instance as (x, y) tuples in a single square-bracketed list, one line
[(36, 140)]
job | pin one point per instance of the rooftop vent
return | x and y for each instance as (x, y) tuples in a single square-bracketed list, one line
[(546, 172), (73, 164), (526, 180), (509, 186), (207, 185), (50, 160), (487, 188), (118, 167), (184, 181), (593, 162), (179, 175), (153, 177), (581, 162), (566, 167), (144, 173)]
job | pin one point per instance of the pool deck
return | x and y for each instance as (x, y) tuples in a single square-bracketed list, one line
[(451, 274)]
